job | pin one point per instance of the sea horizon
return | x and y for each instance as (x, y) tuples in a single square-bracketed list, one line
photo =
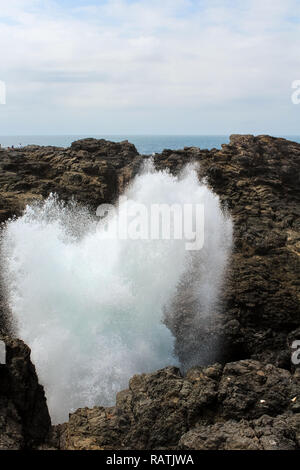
[(144, 143)]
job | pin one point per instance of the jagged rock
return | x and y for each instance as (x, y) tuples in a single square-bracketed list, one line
[(257, 179), (153, 413), (245, 404), (92, 171), (265, 433), (209, 408), (249, 389), (24, 417)]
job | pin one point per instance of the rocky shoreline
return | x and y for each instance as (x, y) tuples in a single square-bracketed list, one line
[(249, 399)]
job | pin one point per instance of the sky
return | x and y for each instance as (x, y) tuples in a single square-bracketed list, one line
[(149, 66)]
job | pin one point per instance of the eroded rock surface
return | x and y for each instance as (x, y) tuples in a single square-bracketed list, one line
[(92, 171), (265, 433), (245, 405), (256, 178), (24, 417), (251, 399)]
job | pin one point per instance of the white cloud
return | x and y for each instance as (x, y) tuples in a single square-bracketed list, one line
[(177, 56)]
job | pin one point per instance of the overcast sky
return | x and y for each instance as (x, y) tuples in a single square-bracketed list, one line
[(149, 66)]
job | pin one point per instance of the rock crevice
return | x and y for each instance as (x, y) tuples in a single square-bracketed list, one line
[(248, 401)]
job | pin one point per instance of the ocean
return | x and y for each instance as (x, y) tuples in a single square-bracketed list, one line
[(145, 144)]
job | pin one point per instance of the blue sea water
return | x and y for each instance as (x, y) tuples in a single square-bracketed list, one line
[(145, 144)]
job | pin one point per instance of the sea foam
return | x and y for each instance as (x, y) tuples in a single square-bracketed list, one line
[(92, 309)]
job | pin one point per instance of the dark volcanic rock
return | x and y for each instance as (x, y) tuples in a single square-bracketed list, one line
[(257, 179), (92, 171), (246, 405), (265, 433), (24, 417)]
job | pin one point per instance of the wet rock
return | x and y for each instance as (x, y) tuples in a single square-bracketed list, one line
[(92, 171), (245, 405), (230, 435), (257, 180), (24, 417), (266, 433), (249, 389), (252, 399)]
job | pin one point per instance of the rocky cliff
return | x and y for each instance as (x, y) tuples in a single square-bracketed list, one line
[(244, 405), (24, 417), (249, 400), (257, 179)]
